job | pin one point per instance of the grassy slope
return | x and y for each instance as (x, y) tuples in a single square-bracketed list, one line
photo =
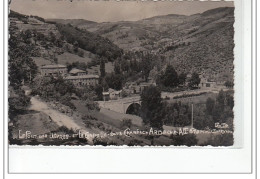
[(210, 38)]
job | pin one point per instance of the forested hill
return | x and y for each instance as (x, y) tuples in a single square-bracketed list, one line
[(53, 42), (201, 42), (89, 41)]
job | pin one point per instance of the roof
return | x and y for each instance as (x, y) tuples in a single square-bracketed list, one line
[(75, 70), (81, 77), (116, 92), (54, 66)]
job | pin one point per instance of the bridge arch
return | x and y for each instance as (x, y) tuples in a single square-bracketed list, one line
[(133, 108)]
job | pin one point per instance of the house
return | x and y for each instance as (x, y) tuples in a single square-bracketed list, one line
[(113, 94), (83, 80), (106, 96), (139, 88), (77, 72), (205, 83), (54, 70)]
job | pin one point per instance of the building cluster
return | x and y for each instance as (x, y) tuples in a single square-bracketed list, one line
[(205, 82), (130, 89), (137, 88), (112, 94), (78, 77)]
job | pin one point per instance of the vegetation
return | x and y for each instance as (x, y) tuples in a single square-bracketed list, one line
[(178, 115), (151, 107), (21, 70), (17, 101), (78, 65), (216, 111), (229, 84), (90, 41), (126, 123), (220, 140), (170, 77), (185, 140), (50, 88), (194, 80), (114, 81)]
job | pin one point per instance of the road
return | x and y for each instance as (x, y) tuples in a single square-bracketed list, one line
[(58, 117)]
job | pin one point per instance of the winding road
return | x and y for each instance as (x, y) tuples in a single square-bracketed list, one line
[(58, 117)]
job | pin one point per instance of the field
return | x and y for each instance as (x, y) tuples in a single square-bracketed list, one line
[(70, 58), (40, 61)]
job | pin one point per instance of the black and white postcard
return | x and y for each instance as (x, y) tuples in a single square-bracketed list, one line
[(125, 74)]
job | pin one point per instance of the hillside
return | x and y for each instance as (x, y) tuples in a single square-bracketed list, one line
[(51, 42), (200, 42)]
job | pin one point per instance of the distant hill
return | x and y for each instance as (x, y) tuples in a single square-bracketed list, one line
[(74, 22), (200, 42)]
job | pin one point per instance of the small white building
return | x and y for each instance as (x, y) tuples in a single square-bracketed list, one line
[(205, 83), (113, 94)]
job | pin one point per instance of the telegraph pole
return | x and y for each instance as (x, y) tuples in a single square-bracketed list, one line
[(191, 115)]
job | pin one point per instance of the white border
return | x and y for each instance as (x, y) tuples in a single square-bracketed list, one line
[(147, 160)]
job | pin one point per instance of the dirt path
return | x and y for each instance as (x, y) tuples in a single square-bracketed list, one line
[(56, 116)]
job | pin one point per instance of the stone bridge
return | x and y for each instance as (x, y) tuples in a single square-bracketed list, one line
[(125, 105)]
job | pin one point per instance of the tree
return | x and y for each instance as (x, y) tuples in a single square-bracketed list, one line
[(221, 99), (78, 65), (194, 80), (187, 140), (102, 68), (210, 105), (170, 77), (151, 107), (114, 81), (21, 65), (117, 68), (126, 123), (98, 90), (146, 65), (230, 101), (229, 84), (182, 78), (75, 46), (17, 102), (177, 114), (52, 36)]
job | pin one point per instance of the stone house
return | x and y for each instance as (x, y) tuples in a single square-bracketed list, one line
[(83, 80), (205, 83), (54, 70)]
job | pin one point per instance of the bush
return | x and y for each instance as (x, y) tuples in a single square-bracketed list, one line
[(65, 130), (80, 53), (126, 123), (65, 100), (124, 93), (167, 98), (188, 95), (99, 141), (134, 142), (220, 140), (92, 105), (188, 140)]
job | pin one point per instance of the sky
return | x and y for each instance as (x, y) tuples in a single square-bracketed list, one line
[(111, 11)]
